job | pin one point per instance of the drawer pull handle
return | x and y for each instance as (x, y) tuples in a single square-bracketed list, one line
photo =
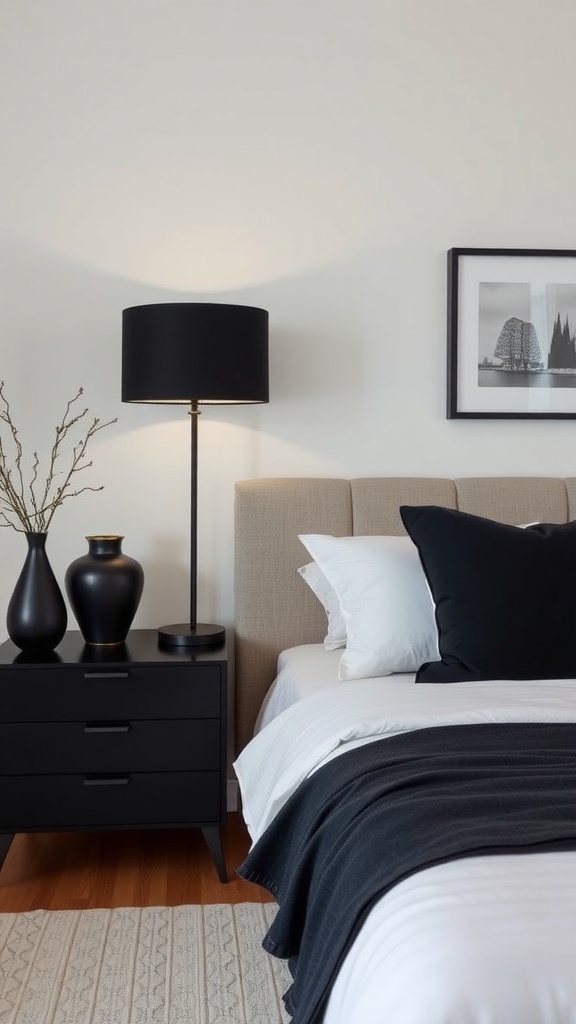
[(107, 727), (106, 675), (106, 780)]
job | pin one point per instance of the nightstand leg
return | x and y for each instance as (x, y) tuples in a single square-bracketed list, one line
[(5, 842), (214, 842)]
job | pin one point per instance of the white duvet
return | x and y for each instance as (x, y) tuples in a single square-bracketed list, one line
[(484, 940)]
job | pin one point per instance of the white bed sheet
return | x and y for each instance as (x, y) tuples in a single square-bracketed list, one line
[(338, 715), (302, 671), (483, 940)]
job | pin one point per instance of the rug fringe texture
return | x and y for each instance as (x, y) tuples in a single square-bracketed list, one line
[(150, 965)]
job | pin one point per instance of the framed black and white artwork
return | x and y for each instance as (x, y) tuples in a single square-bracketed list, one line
[(511, 333)]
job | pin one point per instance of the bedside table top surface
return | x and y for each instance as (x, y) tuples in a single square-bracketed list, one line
[(141, 647)]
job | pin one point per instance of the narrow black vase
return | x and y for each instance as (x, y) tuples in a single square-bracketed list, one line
[(36, 618), (104, 588)]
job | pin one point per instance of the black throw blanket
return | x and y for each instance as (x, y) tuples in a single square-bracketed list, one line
[(379, 813)]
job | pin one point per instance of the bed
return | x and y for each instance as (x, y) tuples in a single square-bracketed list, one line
[(408, 769)]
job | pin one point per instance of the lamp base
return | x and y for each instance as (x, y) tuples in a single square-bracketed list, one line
[(182, 635)]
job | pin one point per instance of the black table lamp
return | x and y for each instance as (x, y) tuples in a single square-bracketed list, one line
[(190, 353)]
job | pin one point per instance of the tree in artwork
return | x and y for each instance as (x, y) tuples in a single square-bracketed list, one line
[(518, 346)]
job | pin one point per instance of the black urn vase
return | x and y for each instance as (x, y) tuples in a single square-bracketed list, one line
[(104, 588), (36, 618)]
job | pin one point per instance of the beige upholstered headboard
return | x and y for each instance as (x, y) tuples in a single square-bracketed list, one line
[(274, 607)]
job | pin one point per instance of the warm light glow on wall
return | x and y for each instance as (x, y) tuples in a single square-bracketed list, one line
[(207, 227)]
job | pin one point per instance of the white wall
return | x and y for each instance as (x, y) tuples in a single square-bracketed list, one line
[(317, 158)]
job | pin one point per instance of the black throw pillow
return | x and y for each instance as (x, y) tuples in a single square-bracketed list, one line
[(505, 596)]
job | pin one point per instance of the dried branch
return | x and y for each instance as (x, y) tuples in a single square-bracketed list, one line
[(29, 508)]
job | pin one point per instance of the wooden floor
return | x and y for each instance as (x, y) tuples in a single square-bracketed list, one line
[(80, 871)]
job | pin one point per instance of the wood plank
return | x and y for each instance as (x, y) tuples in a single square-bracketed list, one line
[(85, 870)]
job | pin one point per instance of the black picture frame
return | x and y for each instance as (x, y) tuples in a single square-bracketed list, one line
[(511, 334)]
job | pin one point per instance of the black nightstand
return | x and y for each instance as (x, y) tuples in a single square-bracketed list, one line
[(123, 737)]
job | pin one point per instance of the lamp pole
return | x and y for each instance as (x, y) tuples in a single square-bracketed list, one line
[(194, 414)]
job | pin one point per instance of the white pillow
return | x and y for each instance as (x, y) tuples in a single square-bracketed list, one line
[(324, 591), (384, 599)]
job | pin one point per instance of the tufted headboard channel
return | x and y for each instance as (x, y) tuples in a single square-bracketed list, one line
[(274, 607)]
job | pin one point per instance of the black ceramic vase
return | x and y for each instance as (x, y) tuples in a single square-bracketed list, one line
[(104, 588), (36, 618)]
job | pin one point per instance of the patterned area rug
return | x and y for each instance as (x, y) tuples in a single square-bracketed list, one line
[(174, 965)]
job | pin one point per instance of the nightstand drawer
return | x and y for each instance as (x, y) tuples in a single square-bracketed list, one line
[(110, 746), (72, 693), (76, 801)]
